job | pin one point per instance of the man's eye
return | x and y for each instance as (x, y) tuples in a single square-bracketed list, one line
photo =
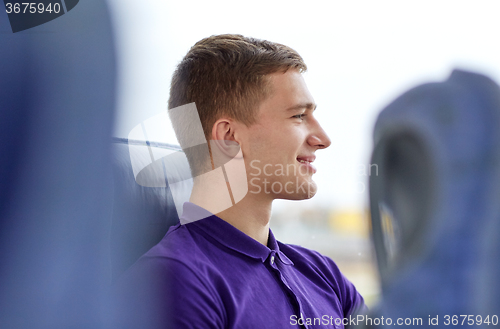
[(299, 116)]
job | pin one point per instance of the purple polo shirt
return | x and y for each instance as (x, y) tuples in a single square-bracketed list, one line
[(208, 274)]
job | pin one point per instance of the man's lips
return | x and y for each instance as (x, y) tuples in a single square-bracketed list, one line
[(307, 161)]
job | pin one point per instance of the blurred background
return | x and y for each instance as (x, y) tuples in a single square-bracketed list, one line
[(360, 55)]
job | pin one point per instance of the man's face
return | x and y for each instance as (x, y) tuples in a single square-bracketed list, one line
[(279, 148)]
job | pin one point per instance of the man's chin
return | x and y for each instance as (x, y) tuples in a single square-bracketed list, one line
[(302, 190), (297, 197)]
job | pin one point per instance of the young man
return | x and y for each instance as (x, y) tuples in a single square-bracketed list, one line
[(228, 270)]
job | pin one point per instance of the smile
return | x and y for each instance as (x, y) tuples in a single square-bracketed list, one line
[(306, 161)]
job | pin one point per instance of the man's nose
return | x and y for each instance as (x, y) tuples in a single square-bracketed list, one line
[(319, 138)]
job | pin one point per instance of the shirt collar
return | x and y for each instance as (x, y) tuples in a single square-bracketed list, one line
[(230, 236)]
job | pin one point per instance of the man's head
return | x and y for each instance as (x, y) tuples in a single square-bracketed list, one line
[(227, 76), (252, 92)]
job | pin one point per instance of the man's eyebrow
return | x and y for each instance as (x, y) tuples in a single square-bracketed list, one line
[(307, 106)]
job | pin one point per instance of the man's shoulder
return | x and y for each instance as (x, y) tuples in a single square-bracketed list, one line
[(304, 257), (300, 252), (181, 245), (176, 266), (178, 240), (179, 253), (314, 265)]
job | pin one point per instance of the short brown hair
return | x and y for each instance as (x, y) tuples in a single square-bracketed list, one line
[(224, 75)]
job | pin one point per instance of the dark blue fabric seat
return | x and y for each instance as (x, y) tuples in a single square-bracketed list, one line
[(435, 203), (141, 215), (57, 104)]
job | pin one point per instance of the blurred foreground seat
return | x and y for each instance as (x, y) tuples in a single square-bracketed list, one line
[(435, 203), (72, 217), (57, 100)]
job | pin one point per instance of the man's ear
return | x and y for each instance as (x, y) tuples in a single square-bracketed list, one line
[(224, 143)]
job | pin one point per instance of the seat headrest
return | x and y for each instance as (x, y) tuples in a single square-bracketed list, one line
[(141, 215), (434, 204)]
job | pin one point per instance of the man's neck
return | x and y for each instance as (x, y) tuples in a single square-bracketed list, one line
[(250, 215)]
